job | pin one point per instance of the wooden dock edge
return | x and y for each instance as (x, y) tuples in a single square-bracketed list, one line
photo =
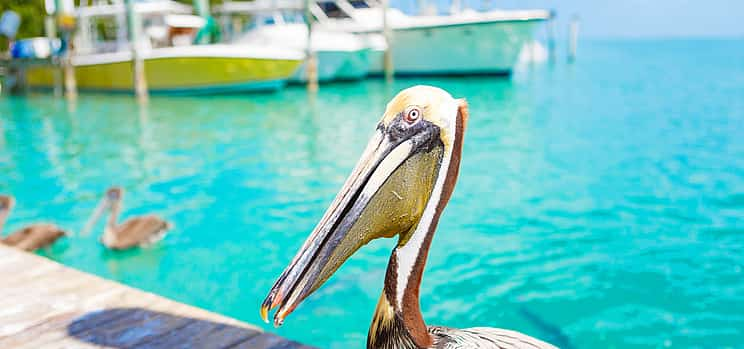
[(44, 304)]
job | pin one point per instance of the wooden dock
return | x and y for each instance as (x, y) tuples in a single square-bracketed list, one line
[(44, 304)]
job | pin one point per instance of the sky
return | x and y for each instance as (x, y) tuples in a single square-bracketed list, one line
[(633, 18)]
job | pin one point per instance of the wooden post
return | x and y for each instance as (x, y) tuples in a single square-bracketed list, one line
[(51, 33), (388, 55), (311, 58), (550, 26), (573, 37), (66, 22), (69, 73), (138, 66)]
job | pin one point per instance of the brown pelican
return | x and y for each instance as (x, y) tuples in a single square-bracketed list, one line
[(399, 187), (32, 237), (135, 231)]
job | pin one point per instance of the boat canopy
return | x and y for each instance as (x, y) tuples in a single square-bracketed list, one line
[(161, 7)]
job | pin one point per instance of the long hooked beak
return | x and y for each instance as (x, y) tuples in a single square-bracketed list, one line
[(97, 213), (337, 236)]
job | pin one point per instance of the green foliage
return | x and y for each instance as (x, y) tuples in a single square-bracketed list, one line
[(32, 16)]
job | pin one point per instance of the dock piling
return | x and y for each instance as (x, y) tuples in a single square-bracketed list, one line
[(311, 58), (138, 65), (50, 28), (573, 37), (550, 33), (388, 55), (65, 22), (68, 69), (69, 74)]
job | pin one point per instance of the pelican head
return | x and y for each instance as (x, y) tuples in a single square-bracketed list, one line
[(114, 194), (399, 186), (6, 203), (111, 201)]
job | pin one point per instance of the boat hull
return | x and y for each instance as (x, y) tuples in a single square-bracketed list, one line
[(178, 75), (376, 62), (341, 56), (460, 49), (329, 64), (356, 66)]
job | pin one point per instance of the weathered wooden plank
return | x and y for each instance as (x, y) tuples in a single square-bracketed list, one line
[(49, 331), (106, 300), (24, 273), (267, 340), (62, 288), (224, 337), (31, 311), (174, 340), (135, 327), (45, 333), (44, 305)]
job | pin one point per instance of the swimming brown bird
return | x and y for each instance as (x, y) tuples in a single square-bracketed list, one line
[(400, 187), (29, 238), (135, 231)]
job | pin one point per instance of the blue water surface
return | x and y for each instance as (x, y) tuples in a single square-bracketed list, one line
[(600, 204)]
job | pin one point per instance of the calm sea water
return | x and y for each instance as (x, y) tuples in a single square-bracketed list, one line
[(600, 204)]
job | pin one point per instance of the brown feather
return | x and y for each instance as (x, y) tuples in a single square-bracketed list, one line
[(34, 237), (137, 231)]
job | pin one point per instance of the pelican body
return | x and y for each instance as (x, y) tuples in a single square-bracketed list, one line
[(399, 187), (135, 231), (29, 238)]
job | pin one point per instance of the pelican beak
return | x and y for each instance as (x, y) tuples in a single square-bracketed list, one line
[(385, 195), (95, 216)]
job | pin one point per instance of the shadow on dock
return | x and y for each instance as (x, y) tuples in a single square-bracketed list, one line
[(142, 328)]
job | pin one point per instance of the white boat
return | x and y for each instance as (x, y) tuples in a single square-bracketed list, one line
[(463, 43), (341, 56)]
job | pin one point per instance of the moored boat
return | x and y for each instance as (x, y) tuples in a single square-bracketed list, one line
[(189, 69), (458, 44), (341, 56), (102, 60)]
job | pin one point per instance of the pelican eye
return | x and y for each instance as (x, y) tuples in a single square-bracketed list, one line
[(412, 115)]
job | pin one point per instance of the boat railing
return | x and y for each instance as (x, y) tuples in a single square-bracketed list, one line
[(253, 7), (142, 8)]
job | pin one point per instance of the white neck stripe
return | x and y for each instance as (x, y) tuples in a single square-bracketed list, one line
[(409, 253)]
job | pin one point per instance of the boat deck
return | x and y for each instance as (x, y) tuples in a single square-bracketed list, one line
[(44, 304)]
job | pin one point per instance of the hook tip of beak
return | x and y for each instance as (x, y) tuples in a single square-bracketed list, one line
[(279, 319), (265, 314)]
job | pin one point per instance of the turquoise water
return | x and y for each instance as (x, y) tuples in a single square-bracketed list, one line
[(600, 204)]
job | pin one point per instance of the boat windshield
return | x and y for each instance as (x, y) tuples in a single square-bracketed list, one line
[(332, 10), (260, 20), (359, 4), (293, 17)]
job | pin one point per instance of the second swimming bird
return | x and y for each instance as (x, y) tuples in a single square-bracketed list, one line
[(135, 231)]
